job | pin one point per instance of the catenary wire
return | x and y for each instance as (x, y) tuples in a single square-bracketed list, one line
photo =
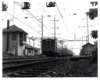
[(34, 17)]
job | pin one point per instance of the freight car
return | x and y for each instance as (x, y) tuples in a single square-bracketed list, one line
[(51, 47)]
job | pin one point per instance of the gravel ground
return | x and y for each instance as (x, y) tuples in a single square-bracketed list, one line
[(79, 68)]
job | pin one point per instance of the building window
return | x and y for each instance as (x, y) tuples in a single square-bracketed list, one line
[(21, 35), (14, 36), (89, 48), (35, 50), (24, 37)]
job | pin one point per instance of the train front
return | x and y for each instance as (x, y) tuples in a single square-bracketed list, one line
[(48, 47)]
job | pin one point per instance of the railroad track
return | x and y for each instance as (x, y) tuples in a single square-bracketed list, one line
[(32, 69), (13, 62), (26, 58)]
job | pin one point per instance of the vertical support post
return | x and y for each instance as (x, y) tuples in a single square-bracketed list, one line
[(54, 29), (87, 31), (66, 51), (7, 46), (42, 32), (55, 34), (42, 25), (29, 41), (33, 43), (62, 47), (82, 40), (8, 24)]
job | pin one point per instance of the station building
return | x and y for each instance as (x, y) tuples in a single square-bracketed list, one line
[(14, 42), (87, 49)]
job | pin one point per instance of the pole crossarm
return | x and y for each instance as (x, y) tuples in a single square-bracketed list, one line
[(75, 40), (86, 26)]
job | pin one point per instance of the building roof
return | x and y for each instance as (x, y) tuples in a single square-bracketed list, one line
[(88, 44), (14, 28), (30, 47)]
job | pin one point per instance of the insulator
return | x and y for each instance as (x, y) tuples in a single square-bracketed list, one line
[(25, 5), (50, 4), (4, 7)]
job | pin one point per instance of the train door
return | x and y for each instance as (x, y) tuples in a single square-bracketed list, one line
[(48, 45)]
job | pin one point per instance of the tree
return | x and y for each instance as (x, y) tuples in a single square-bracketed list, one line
[(93, 13), (94, 34)]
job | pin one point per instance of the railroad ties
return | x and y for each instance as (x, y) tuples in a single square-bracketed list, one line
[(33, 69)]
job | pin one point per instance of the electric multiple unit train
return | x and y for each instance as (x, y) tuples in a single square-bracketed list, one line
[(52, 47)]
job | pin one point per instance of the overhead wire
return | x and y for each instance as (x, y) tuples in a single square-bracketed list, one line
[(21, 25), (13, 10), (64, 22), (64, 10), (64, 7), (34, 17), (62, 19), (65, 15), (39, 21), (45, 13), (23, 22), (84, 36), (26, 14)]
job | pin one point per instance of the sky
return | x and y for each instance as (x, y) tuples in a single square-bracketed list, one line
[(67, 26)]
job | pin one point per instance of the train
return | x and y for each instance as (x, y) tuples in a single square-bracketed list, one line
[(52, 47)]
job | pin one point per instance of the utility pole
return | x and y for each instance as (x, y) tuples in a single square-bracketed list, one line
[(82, 40), (55, 33), (55, 27), (42, 31), (62, 47), (87, 29), (42, 25), (7, 46)]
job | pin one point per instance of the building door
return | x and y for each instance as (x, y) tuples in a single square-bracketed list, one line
[(14, 50)]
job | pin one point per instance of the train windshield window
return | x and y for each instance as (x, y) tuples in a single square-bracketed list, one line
[(48, 42)]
